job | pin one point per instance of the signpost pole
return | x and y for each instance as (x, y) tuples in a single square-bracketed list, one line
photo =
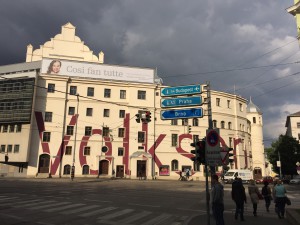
[(210, 126)]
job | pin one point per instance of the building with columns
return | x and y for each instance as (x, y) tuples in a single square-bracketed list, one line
[(65, 107)]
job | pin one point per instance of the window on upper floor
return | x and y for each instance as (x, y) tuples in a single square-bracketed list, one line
[(51, 88), (254, 119), (107, 93), (19, 128), (218, 102), (141, 95), (228, 104), (121, 132), (222, 124), (68, 150), (185, 122), (48, 116), (120, 151), (46, 136), (174, 140), (71, 110), (105, 131), (195, 122), (122, 113), (195, 138), (122, 94), (230, 142), (73, 90), (298, 125), (174, 122), (88, 131), (5, 128), (16, 148), (70, 130), (214, 123), (90, 91), (9, 148), (11, 128), (141, 137), (241, 107), (87, 150), (229, 125), (2, 148), (106, 113), (89, 111)]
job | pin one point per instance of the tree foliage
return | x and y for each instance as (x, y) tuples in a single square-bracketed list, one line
[(288, 148)]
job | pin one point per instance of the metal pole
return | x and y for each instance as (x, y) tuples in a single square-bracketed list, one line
[(75, 139), (280, 173)]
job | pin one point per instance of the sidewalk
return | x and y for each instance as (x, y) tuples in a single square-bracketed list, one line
[(261, 219)]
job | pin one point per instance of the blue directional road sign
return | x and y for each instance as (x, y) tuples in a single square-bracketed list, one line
[(177, 102), (181, 113), (181, 90)]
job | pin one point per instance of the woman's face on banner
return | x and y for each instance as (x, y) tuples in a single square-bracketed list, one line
[(56, 67)]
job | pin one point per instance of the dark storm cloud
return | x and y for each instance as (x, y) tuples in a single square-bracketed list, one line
[(178, 37)]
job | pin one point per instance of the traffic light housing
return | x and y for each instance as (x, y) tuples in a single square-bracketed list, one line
[(189, 129), (138, 118), (230, 155), (199, 152), (148, 116)]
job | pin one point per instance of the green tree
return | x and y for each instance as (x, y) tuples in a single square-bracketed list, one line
[(289, 150)]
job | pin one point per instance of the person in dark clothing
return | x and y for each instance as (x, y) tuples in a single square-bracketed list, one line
[(238, 195), (266, 193), (217, 195)]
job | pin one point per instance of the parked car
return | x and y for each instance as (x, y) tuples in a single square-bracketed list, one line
[(296, 180), (263, 179)]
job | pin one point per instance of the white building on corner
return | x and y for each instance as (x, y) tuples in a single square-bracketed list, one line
[(65, 107)]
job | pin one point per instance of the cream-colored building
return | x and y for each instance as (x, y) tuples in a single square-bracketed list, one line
[(292, 125), (65, 107)]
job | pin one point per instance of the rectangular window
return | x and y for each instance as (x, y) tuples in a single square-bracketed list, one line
[(228, 104), (68, 150), (122, 114), (174, 122), (89, 111), (9, 148), (120, 151), (88, 131), (70, 130), (230, 142), (5, 128), (185, 122), (71, 110), (11, 128), (2, 148), (51, 88), (298, 125), (73, 90), (141, 95), (87, 150), (218, 100), (105, 131), (121, 132), (46, 136), (107, 93), (241, 107), (122, 94), (90, 92), (195, 138), (19, 128), (106, 113), (174, 140), (16, 148), (254, 119), (48, 116), (141, 137)]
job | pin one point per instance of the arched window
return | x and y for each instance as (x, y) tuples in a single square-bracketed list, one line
[(174, 164), (229, 126), (67, 169), (222, 124), (85, 170), (195, 122), (214, 124)]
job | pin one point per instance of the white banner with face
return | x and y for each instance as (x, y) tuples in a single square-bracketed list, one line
[(99, 71)]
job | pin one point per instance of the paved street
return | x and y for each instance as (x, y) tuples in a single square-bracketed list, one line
[(98, 201)]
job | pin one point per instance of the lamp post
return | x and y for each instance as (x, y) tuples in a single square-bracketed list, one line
[(75, 139)]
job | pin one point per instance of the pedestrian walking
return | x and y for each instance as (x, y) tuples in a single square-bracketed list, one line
[(273, 189), (217, 195), (267, 194), (187, 174), (280, 196), (238, 195), (180, 175), (254, 195), (140, 175)]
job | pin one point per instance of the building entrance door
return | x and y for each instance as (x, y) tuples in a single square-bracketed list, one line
[(141, 168), (44, 163), (120, 171), (103, 167)]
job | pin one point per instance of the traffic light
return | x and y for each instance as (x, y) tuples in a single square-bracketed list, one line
[(138, 118), (199, 152), (189, 129), (148, 116), (230, 155)]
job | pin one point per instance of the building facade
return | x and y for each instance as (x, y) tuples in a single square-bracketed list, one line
[(64, 107)]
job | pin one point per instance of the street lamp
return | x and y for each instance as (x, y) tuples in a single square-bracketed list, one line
[(73, 164)]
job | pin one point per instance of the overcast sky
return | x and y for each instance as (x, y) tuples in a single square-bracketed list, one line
[(243, 47)]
